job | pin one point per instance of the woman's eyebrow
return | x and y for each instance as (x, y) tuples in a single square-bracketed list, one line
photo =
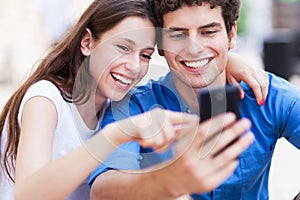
[(130, 41), (133, 43)]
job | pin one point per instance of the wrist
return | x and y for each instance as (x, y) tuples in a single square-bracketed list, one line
[(167, 183), (114, 134)]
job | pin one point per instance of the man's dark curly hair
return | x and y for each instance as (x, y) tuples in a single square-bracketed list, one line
[(230, 9)]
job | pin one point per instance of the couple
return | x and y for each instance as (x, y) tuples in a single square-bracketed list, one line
[(103, 57)]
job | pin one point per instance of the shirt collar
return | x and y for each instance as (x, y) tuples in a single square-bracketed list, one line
[(168, 81)]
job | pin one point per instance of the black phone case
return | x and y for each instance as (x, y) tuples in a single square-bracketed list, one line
[(219, 100)]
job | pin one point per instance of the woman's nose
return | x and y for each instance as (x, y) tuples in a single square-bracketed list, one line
[(133, 63)]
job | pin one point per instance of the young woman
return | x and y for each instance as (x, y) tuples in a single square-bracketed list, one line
[(48, 126)]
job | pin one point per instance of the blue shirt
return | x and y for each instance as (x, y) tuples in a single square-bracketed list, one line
[(278, 117)]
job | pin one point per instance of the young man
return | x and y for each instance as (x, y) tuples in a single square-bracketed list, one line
[(196, 38)]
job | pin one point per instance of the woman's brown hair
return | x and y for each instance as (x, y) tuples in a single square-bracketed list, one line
[(61, 66)]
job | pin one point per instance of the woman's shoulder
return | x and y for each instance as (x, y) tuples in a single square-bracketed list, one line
[(43, 88), (46, 89)]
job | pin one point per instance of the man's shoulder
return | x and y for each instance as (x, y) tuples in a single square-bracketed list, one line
[(276, 83), (280, 90)]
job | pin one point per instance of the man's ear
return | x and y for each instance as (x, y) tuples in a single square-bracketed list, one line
[(232, 36), (86, 42)]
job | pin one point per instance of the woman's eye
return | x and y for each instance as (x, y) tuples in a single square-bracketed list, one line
[(124, 48), (148, 57)]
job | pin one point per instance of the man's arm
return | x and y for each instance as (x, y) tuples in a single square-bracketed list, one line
[(187, 172), (115, 184)]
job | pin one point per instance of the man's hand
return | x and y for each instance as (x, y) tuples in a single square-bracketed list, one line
[(200, 167)]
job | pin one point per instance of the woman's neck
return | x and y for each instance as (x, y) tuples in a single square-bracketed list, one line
[(91, 110)]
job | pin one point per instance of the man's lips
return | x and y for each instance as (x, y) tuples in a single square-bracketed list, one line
[(197, 64)]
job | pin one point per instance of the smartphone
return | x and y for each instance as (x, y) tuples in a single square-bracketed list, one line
[(219, 100), (216, 101)]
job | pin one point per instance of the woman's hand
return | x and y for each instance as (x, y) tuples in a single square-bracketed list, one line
[(156, 128), (238, 70)]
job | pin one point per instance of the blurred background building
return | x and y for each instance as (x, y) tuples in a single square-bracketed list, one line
[(282, 47), (28, 29), (269, 37)]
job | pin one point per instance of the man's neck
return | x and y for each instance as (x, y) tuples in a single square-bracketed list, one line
[(190, 94)]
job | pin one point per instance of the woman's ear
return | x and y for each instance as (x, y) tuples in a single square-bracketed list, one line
[(86, 42)]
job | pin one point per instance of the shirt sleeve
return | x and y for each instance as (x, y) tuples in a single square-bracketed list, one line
[(286, 101), (44, 89), (291, 128), (125, 157)]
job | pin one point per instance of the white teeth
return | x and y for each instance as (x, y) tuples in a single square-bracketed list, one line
[(197, 64), (121, 79)]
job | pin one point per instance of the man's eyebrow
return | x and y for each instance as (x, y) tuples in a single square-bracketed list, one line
[(173, 29), (210, 25)]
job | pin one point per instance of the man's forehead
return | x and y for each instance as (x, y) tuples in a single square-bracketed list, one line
[(186, 17)]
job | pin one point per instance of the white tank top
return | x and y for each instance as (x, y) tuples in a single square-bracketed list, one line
[(70, 133)]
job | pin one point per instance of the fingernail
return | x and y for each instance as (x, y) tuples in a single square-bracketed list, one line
[(261, 103)]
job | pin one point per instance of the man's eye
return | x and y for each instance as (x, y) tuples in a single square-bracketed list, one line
[(178, 35), (208, 32), (124, 48)]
